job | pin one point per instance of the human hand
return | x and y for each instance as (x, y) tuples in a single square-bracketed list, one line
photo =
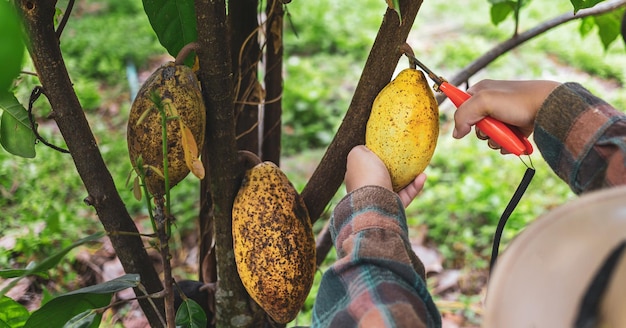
[(512, 102), (365, 168)]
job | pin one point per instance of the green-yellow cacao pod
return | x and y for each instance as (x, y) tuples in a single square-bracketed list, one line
[(177, 89)]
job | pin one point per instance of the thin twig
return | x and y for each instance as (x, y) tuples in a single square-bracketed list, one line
[(34, 95), (184, 52), (323, 244), (149, 297), (29, 73), (163, 220), (65, 18)]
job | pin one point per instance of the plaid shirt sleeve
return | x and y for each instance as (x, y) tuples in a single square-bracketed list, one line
[(377, 279), (582, 138)]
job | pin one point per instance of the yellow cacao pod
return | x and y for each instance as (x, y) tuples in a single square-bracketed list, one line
[(177, 89), (403, 126), (273, 242)]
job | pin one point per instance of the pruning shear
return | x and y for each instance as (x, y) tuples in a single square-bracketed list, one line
[(508, 137)]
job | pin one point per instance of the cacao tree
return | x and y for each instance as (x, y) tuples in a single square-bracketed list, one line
[(233, 48)]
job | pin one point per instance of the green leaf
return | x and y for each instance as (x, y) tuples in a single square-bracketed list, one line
[(586, 25), (501, 10), (74, 307), (46, 264), (59, 311), (130, 280), (582, 4), (12, 50), (12, 313), (53, 260), (87, 319), (16, 136), (609, 27), (174, 22), (190, 315), (14, 273)]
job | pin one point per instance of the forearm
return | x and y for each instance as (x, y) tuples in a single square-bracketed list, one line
[(582, 138), (376, 276)]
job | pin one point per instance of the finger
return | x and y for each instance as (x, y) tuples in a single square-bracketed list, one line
[(493, 145), (468, 114), (480, 134), (363, 168), (412, 190)]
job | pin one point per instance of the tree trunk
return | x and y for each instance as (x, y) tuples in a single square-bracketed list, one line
[(216, 77)]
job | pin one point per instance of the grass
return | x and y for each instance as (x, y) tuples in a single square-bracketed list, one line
[(41, 198)]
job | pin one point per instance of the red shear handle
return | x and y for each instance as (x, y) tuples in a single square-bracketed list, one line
[(507, 137), (453, 93)]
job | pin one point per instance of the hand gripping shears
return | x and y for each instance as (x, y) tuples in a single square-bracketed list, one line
[(508, 137)]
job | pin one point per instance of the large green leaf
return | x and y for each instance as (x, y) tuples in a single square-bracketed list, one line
[(12, 313), (174, 22), (73, 309), (190, 315), (16, 135), (12, 49)]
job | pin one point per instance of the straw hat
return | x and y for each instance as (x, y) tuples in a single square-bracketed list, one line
[(572, 253)]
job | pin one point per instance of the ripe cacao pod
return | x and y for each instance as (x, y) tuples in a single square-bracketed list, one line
[(177, 89), (403, 126), (273, 242)]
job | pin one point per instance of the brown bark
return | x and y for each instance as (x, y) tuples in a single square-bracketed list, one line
[(217, 85), (242, 23), (44, 48), (272, 109), (379, 68), (242, 20)]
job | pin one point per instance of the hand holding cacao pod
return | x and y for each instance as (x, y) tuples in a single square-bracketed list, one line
[(403, 126)]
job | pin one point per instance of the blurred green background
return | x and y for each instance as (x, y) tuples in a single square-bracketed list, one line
[(326, 44)]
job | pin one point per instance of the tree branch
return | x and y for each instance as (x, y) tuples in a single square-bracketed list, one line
[(245, 56), (504, 47), (378, 70), (67, 112), (272, 110)]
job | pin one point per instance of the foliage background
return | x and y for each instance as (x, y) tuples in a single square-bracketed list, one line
[(110, 48)]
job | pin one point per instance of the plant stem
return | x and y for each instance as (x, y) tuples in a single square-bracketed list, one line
[(144, 187), (163, 219), (165, 159)]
